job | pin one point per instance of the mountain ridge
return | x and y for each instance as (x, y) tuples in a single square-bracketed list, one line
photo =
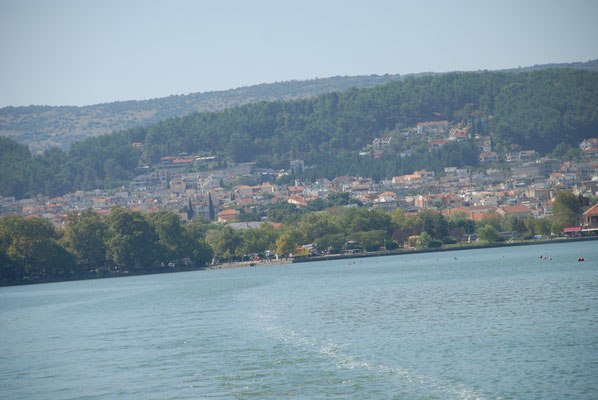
[(43, 127)]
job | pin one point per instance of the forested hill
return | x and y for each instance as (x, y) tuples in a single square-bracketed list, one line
[(41, 127), (537, 110)]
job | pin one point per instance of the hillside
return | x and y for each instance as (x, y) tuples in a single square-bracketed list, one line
[(537, 110), (42, 127)]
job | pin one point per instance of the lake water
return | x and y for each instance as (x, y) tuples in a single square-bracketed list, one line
[(475, 324)]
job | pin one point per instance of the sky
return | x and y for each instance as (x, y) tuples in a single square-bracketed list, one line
[(82, 52)]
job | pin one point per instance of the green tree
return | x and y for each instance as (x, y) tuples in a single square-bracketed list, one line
[(9, 270), (196, 248), (211, 207), (225, 242), (85, 235), (403, 226), (317, 224), (332, 243), (365, 219), (513, 223), (424, 240), (190, 210), (285, 245), (371, 240), (260, 239), (493, 219), (565, 210), (168, 226), (132, 240), (488, 233), (31, 245), (459, 224), (434, 223)]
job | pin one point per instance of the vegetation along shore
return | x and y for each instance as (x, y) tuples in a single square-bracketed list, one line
[(127, 242)]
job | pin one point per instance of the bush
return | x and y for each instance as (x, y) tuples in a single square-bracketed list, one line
[(488, 233), (435, 243), (449, 240)]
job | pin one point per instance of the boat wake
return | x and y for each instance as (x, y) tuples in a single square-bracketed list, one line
[(406, 380)]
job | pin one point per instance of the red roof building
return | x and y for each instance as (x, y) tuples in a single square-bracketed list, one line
[(590, 217)]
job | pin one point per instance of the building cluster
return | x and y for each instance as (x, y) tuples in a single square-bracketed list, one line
[(524, 189)]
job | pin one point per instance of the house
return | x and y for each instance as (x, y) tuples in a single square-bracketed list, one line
[(248, 191), (475, 213), (590, 153), (484, 145), (423, 201), (437, 143), (537, 193), (182, 162), (267, 188), (409, 178), (458, 135), (519, 211), (228, 215), (178, 185), (296, 190), (241, 226), (590, 218), (488, 157), (298, 201), (451, 200), (386, 197), (589, 144), (432, 127), (521, 156), (382, 144), (425, 174)]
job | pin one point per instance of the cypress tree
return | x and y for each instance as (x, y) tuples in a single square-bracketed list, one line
[(190, 211), (211, 206)]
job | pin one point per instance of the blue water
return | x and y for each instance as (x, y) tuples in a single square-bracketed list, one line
[(490, 324)]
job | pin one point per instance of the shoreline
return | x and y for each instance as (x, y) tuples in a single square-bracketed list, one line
[(246, 264), (330, 257), (441, 249)]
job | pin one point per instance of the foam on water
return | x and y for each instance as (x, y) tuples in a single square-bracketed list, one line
[(427, 385)]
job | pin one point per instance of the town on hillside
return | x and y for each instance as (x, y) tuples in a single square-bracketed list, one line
[(524, 185)]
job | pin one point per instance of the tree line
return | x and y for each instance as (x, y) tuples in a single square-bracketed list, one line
[(33, 250), (538, 110)]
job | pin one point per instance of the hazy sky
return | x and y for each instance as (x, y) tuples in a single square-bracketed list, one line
[(86, 52)]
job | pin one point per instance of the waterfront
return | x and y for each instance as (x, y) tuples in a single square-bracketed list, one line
[(485, 323)]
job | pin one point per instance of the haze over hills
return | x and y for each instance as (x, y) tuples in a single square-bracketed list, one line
[(42, 127)]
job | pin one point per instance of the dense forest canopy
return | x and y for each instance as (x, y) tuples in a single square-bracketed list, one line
[(537, 110)]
